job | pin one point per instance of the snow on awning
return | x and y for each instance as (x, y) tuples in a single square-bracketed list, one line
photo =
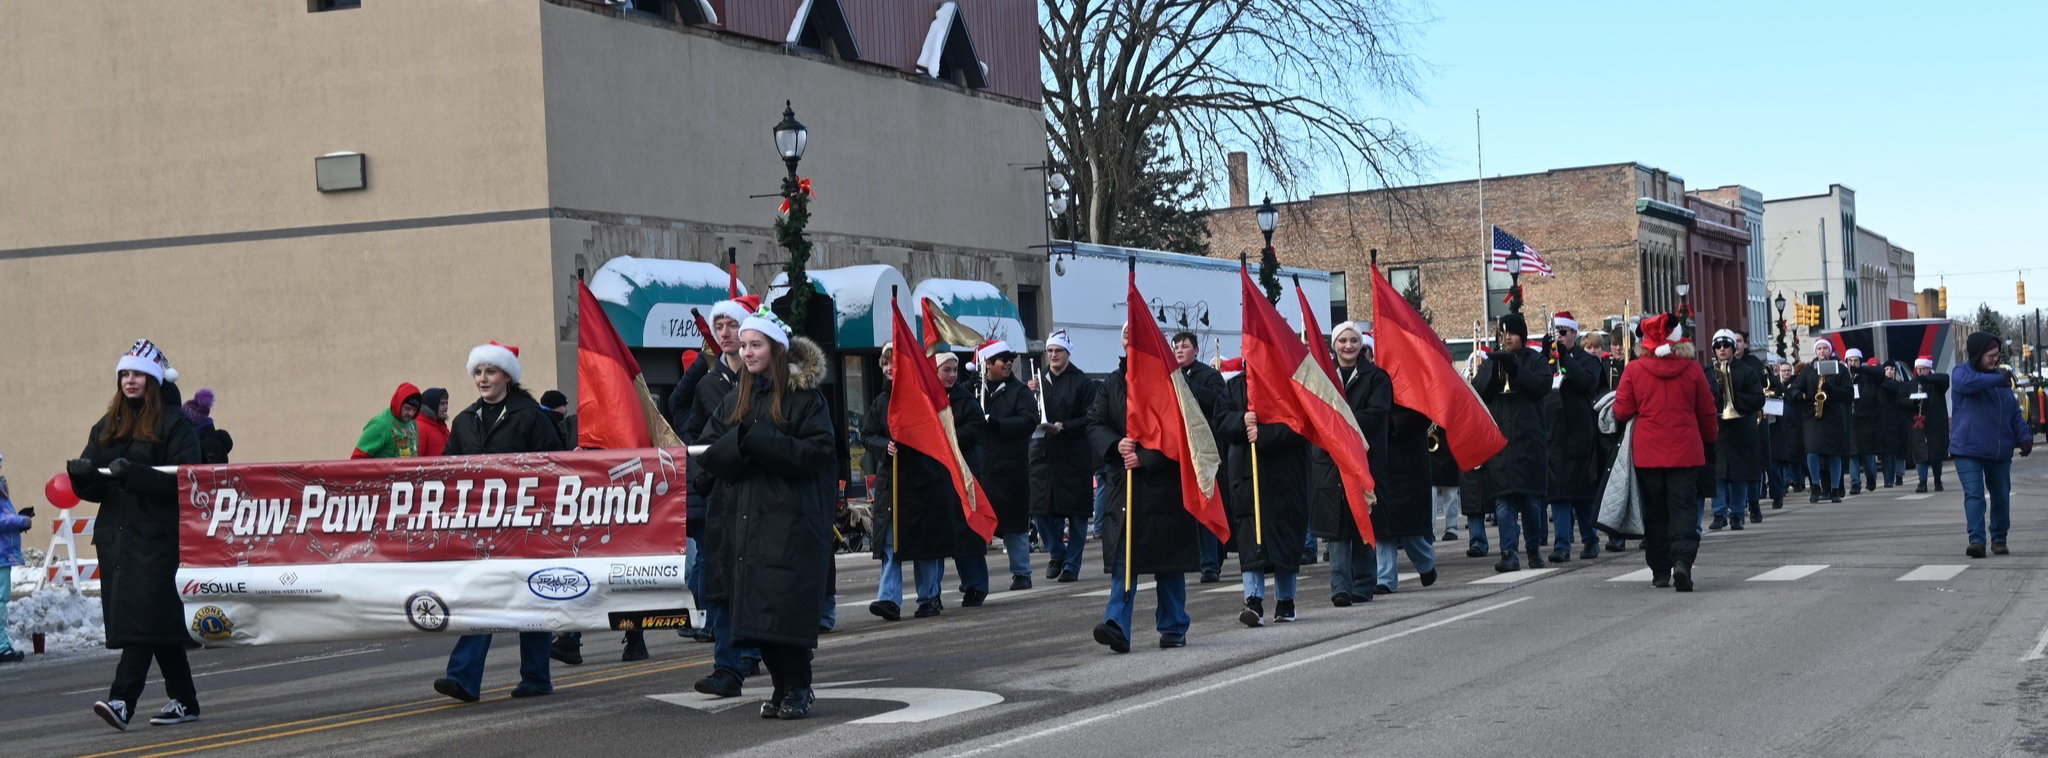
[(854, 291), (948, 48), (649, 299), (978, 305)]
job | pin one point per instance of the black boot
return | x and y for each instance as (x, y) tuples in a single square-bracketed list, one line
[(636, 647), (1922, 487), (1535, 558), (1937, 484), (1756, 513)]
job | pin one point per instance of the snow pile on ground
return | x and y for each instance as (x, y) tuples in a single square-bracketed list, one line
[(25, 574), (67, 619)]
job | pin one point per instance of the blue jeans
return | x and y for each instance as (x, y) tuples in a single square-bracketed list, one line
[(724, 654), (973, 571), (1508, 510), (1985, 480), (1421, 552), (1562, 514), (1731, 499), (1018, 547), (1065, 537), (1172, 614), (1352, 569), (1211, 550), (1935, 465), (927, 573), (1777, 477), (1864, 466), (1476, 526), (466, 662), (1833, 479), (1283, 584)]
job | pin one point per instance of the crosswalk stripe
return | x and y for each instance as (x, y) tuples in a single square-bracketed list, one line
[(1512, 577), (1916, 497), (1142, 586), (1788, 573), (1933, 573), (1638, 575)]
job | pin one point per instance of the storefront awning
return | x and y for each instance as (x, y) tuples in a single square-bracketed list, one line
[(855, 291), (979, 306), (649, 299)]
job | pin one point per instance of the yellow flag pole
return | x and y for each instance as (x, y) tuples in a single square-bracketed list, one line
[(1130, 483), (895, 505), (1258, 515)]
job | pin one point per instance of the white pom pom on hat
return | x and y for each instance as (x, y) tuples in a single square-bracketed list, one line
[(505, 357)]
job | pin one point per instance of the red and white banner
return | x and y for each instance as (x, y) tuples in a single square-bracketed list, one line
[(365, 549)]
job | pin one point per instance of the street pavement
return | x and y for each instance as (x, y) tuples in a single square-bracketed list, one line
[(1857, 629)]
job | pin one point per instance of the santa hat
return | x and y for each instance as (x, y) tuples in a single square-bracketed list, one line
[(737, 309), (1564, 320), (146, 357), (1852, 353), (1925, 361), (1059, 339), (1660, 332), (505, 357), (766, 322), (1230, 367), (1823, 342), (990, 350)]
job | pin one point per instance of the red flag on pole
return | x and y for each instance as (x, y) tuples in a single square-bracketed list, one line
[(921, 419), (1161, 414), (614, 410), (1425, 379), (1289, 388), (1312, 335)]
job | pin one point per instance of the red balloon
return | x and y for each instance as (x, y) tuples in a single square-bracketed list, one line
[(58, 491)]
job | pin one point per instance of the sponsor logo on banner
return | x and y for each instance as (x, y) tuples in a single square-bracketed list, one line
[(627, 577), (198, 587), (426, 611), (670, 618), (212, 624), (558, 583)]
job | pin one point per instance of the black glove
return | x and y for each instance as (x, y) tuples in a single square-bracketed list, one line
[(29, 512), (2026, 447), (120, 468), (80, 468)]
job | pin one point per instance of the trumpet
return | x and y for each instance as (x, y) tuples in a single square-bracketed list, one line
[(1436, 441)]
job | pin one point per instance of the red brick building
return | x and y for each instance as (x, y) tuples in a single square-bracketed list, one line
[(1616, 235), (1717, 266)]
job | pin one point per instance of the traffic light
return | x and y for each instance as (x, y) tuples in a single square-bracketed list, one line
[(2023, 292), (1798, 314), (1943, 299)]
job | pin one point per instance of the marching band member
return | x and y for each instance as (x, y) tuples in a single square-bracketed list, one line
[(1061, 465), (1513, 381), (1573, 487), (1355, 568)]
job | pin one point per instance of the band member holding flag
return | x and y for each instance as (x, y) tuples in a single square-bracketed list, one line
[(1011, 418), (1061, 466), (1146, 425), (930, 492), (1354, 566), (1267, 478), (937, 507), (971, 563), (770, 450)]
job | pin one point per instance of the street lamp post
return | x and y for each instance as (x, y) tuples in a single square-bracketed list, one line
[(1684, 311), (1269, 264), (1780, 302), (1842, 315), (791, 138), (1514, 281)]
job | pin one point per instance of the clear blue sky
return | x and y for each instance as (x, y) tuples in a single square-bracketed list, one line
[(1935, 113)]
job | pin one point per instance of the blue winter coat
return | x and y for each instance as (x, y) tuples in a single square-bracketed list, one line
[(1986, 420), (11, 527)]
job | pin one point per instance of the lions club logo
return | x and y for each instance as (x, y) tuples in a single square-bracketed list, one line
[(426, 611), (212, 624)]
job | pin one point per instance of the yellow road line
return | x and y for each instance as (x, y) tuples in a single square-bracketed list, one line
[(607, 675)]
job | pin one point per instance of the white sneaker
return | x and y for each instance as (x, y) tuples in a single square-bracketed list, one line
[(115, 713), (173, 713)]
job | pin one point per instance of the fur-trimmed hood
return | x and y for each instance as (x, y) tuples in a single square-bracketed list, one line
[(806, 364), (1685, 350)]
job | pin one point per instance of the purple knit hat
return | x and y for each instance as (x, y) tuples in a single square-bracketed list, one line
[(200, 408)]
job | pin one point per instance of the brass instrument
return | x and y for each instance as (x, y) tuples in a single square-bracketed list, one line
[(1820, 396), (1436, 441), (1762, 417), (1727, 375)]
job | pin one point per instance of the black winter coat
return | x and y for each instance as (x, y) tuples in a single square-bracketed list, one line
[(709, 381), (1927, 439), (214, 445), (1574, 453), (1739, 452), (1370, 393), (934, 523), (1012, 415), (1284, 487), (1875, 403), (525, 427), (136, 535), (1782, 432), (1522, 467), (1062, 466), (1163, 532), (1828, 434), (1404, 508), (776, 485)]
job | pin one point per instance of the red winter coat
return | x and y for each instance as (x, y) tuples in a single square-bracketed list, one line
[(433, 435), (1675, 410)]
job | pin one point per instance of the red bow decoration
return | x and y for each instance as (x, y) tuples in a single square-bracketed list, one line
[(802, 186), (1919, 422)]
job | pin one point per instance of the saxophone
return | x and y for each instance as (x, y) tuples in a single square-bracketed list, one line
[(1820, 396)]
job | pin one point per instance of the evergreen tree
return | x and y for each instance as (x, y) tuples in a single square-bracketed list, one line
[(1162, 208)]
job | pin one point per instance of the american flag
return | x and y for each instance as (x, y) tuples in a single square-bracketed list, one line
[(1532, 261)]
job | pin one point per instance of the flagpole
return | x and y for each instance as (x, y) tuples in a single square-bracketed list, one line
[(1485, 239), (1130, 474)]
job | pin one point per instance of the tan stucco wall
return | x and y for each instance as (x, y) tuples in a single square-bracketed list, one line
[(649, 120), (128, 121), (301, 340)]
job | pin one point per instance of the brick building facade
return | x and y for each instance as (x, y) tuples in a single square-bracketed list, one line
[(1608, 231), (1717, 265)]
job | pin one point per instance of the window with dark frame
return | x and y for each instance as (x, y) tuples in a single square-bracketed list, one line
[(316, 6)]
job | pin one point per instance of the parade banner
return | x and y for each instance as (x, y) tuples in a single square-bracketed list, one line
[(325, 551)]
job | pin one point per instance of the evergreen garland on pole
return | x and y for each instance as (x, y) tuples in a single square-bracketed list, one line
[(789, 233), (1269, 274)]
